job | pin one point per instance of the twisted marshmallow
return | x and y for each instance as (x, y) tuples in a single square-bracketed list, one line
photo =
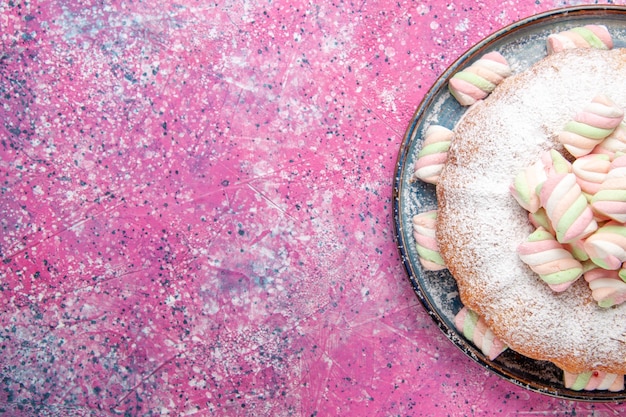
[(555, 163), (524, 188), (589, 36), (434, 153), (607, 288), (424, 225), (610, 199), (479, 79), (607, 246), (567, 208), (540, 219), (614, 143), (593, 380), (577, 249), (597, 121), (590, 171), (475, 329), (547, 258)]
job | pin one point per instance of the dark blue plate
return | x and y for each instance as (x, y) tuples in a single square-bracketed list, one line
[(522, 44)]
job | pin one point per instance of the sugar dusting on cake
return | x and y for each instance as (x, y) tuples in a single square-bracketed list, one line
[(484, 224)]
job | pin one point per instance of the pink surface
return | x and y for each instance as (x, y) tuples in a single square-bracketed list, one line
[(196, 210)]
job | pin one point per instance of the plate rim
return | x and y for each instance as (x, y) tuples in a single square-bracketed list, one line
[(569, 13)]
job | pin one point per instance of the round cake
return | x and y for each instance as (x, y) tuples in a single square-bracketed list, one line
[(480, 225)]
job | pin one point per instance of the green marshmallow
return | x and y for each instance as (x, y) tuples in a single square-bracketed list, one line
[(433, 148), (609, 195), (560, 164), (561, 277), (523, 188), (541, 218), (470, 324), (590, 37), (539, 235), (570, 216), (587, 131), (613, 228), (474, 79), (581, 381), (606, 303), (430, 255)]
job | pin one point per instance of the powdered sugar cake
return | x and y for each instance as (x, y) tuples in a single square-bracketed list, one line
[(480, 225)]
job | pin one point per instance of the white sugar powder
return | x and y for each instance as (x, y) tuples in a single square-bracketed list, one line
[(481, 224)]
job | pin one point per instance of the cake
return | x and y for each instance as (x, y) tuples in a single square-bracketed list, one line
[(488, 236)]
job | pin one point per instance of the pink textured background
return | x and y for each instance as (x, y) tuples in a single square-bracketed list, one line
[(196, 210)]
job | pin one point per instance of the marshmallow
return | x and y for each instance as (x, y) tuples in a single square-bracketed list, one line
[(424, 225), (434, 153), (479, 79)]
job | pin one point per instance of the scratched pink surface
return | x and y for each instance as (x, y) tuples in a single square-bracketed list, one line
[(196, 210)]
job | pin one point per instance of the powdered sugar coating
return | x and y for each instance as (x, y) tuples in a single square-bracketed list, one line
[(481, 224)]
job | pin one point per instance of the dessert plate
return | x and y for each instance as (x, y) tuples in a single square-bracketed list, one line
[(522, 43)]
